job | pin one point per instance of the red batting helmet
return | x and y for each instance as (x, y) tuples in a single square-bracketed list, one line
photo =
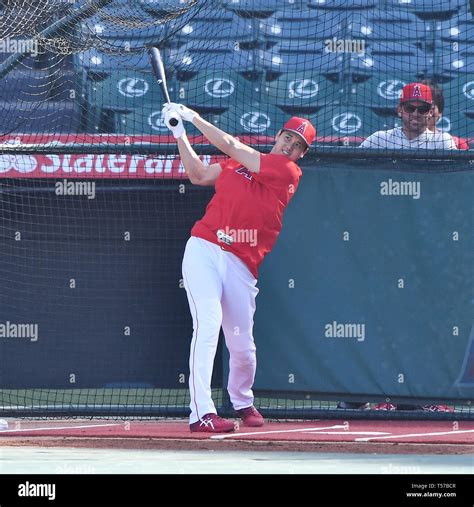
[(302, 128)]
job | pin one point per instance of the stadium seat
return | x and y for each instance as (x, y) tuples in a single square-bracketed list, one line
[(385, 27), (251, 119), (461, 49), (276, 63), (211, 56), (297, 46), (122, 92), (452, 64), (428, 9), (302, 92), (93, 61), (381, 92), (260, 8), (103, 27), (160, 8), (344, 5), (63, 85), (234, 29), (44, 117), (414, 62), (349, 121), (304, 25), (146, 121), (459, 92), (458, 29), (216, 91), (29, 85), (143, 121), (127, 90)]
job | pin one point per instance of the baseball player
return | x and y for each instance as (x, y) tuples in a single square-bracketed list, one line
[(415, 109), (223, 254)]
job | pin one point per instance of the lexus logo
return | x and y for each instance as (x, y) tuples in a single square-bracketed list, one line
[(255, 122), (156, 122), (346, 123), (303, 89), (468, 90), (132, 87), (219, 88), (391, 89)]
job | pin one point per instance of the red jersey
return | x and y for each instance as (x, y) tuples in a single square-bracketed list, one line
[(246, 212)]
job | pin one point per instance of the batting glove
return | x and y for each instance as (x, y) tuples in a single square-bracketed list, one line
[(185, 113), (177, 130)]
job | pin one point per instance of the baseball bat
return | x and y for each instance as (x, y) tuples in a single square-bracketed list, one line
[(159, 71)]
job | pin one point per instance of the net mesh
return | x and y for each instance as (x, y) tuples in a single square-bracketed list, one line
[(246, 66), (77, 73)]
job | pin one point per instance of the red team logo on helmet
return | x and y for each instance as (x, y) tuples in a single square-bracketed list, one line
[(302, 127), (416, 91)]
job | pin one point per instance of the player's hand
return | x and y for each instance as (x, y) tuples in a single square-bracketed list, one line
[(177, 130), (185, 113)]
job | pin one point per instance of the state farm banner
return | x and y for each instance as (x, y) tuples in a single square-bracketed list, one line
[(87, 165)]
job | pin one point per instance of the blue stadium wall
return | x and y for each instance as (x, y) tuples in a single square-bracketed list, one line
[(367, 293)]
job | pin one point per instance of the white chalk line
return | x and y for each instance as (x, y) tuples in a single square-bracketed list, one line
[(407, 435), (273, 432), (54, 428), (350, 432)]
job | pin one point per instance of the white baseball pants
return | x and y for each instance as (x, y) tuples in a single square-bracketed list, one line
[(221, 291)]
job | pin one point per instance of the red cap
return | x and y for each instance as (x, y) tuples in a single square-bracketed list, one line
[(301, 127), (416, 91)]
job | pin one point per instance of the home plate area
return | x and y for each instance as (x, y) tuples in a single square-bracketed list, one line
[(459, 435)]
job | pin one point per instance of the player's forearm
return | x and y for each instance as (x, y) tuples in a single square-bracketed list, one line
[(220, 139), (192, 164)]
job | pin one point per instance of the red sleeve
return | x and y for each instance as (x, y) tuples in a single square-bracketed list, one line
[(461, 144), (278, 172)]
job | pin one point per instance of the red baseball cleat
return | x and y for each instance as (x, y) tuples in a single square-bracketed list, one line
[(212, 423), (251, 417)]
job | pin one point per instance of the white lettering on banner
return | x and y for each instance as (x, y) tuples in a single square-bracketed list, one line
[(84, 164), (89, 165), (20, 163), (117, 163), (108, 165), (55, 166), (158, 164), (134, 163)]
